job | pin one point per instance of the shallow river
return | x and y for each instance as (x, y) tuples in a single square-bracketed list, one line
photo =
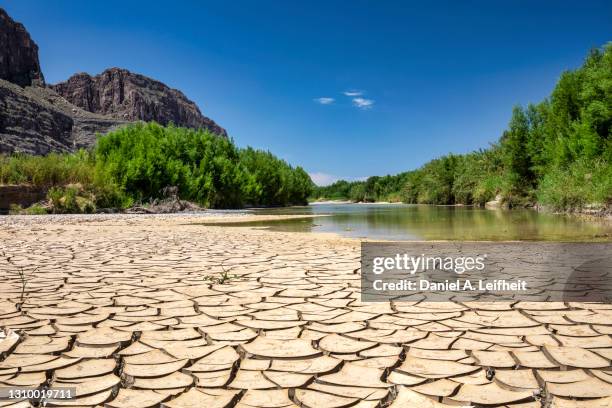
[(420, 222)]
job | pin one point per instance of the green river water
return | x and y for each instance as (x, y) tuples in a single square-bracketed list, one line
[(421, 222)]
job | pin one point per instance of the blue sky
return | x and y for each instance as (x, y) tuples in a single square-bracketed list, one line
[(405, 81)]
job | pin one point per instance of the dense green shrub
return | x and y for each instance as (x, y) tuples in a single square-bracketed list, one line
[(70, 199), (135, 163), (581, 183), (340, 190), (142, 159), (271, 181)]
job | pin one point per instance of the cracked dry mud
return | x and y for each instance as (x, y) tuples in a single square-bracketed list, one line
[(123, 309)]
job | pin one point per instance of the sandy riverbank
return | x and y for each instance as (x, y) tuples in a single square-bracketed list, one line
[(136, 310)]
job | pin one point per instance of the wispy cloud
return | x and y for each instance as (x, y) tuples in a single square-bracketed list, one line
[(363, 103), (324, 179), (325, 100), (356, 97)]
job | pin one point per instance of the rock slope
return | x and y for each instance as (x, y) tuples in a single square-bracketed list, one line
[(29, 125), (124, 95), (39, 119), (36, 120)]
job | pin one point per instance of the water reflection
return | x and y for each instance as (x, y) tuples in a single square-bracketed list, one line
[(416, 222)]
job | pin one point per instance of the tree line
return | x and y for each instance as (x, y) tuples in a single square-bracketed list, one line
[(556, 153)]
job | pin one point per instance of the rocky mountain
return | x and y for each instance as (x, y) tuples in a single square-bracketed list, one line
[(123, 95), (39, 119), (18, 54)]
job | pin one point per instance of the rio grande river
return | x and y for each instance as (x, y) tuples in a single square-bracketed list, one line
[(420, 222)]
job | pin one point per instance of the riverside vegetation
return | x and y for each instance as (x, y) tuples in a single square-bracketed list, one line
[(557, 153), (135, 163)]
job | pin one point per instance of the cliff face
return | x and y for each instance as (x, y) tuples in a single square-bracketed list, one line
[(18, 54), (123, 95), (31, 126), (36, 120), (39, 119)]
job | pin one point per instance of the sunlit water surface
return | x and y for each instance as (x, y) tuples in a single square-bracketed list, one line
[(421, 222)]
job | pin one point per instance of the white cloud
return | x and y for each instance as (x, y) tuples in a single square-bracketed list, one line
[(363, 103), (352, 93), (324, 179), (324, 100)]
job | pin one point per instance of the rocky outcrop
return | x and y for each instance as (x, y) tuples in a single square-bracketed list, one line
[(18, 54), (86, 126), (31, 126), (123, 95), (37, 119)]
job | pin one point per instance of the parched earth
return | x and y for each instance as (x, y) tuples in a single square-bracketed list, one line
[(145, 311)]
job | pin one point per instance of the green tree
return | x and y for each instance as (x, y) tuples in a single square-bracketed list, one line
[(514, 144)]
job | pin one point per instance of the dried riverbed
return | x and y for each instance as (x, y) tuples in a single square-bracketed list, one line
[(160, 310)]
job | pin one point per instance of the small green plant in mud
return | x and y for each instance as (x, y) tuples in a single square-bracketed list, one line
[(22, 280), (222, 278), (24, 283)]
